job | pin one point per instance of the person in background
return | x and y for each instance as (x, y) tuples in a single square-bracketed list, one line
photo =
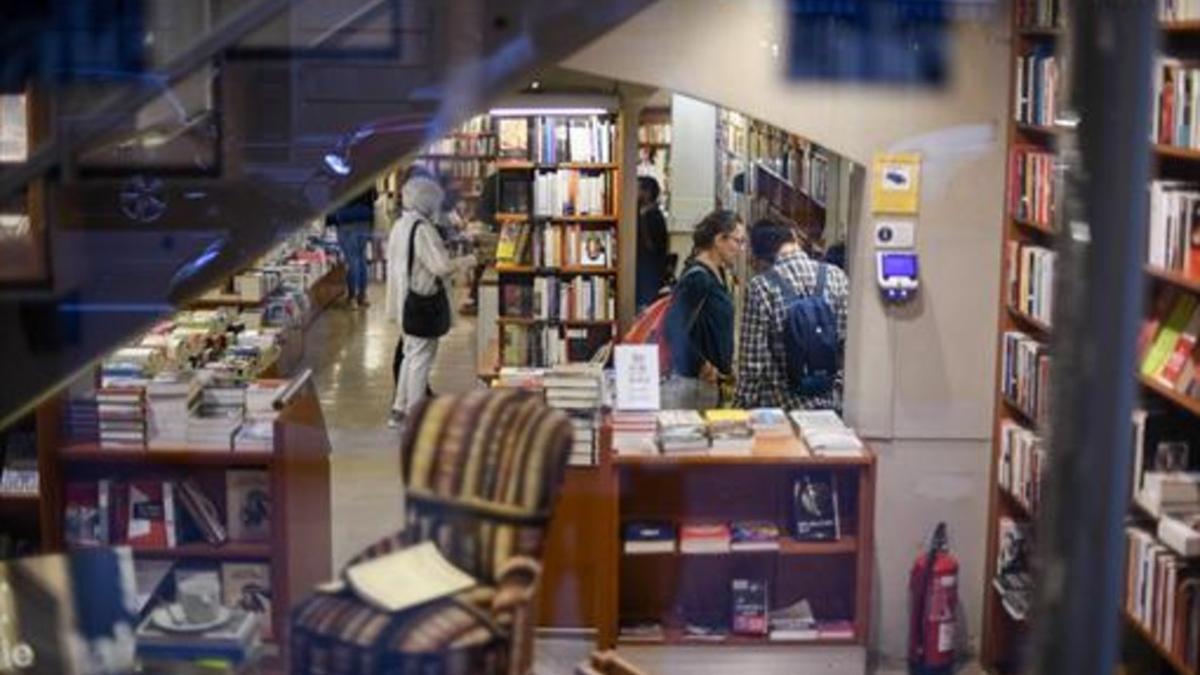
[(422, 201), (354, 222), (762, 376), (699, 323), (652, 241), (766, 238)]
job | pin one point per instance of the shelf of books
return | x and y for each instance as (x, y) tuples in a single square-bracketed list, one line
[(1162, 599), (463, 158), (556, 257), (654, 150), (192, 447), (742, 528)]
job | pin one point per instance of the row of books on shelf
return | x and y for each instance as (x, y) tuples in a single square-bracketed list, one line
[(1167, 340), (178, 410), (1025, 375), (474, 145), (1033, 186), (572, 192), (543, 346), (729, 431), (1176, 103), (555, 245), (749, 615), (1022, 464), (648, 537), (456, 168), (555, 299), (554, 139), (578, 390), (656, 133), (1178, 10), (1174, 226), (1039, 13), (191, 611), (1036, 96), (1031, 280), (1162, 594), (156, 514)]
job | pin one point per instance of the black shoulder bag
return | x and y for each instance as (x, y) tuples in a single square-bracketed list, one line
[(426, 316)]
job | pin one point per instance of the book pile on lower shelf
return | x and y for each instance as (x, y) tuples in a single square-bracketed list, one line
[(542, 346), (520, 377), (1032, 186), (682, 432), (1176, 86), (1037, 87), (1162, 595), (158, 514), (582, 298), (1014, 578), (197, 611)]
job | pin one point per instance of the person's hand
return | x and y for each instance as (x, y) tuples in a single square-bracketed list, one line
[(468, 261), (709, 374)]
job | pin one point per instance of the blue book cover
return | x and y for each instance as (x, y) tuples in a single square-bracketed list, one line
[(649, 530)]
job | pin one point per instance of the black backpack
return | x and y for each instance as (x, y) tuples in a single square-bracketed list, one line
[(812, 350)]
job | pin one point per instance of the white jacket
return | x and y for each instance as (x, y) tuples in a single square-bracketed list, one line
[(422, 199)]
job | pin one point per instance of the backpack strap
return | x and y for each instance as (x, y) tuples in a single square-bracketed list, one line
[(776, 279), (820, 292)]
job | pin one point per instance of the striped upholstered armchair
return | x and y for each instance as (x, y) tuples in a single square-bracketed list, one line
[(481, 472)]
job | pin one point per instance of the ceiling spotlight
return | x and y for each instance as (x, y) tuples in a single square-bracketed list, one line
[(535, 85)]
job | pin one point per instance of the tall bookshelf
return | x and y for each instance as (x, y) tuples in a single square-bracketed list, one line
[(557, 205), (1031, 223), (464, 157)]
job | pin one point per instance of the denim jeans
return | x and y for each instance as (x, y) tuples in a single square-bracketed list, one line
[(353, 238)]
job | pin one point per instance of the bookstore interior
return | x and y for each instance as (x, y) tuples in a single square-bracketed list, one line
[(712, 360)]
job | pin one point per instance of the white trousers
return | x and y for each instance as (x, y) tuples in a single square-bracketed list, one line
[(419, 354)]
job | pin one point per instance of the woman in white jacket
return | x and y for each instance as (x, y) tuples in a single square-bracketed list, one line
[(421, 200)]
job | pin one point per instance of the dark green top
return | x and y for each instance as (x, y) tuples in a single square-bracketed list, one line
[(700, 299)]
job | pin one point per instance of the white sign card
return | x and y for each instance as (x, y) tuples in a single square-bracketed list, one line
[(637, 377)]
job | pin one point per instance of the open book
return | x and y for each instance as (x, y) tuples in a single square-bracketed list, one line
[(407, 578)]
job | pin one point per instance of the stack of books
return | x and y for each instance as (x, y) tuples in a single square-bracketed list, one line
[(122, 417), (633, 432), (641, 631), (754, 535), (648, 536), (1165, 492), (217, 418), (1014, 579), (257, 433), (682, 432), (576, 389), (1162, 594), (520, 377), (170, 398), (130, 366), (81, 423), (826, 434), (18, 462), (770, 423), (795, 622), (730, 431), (705, 538)]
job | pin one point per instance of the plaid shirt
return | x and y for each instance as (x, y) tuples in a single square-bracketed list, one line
[(762, 376)]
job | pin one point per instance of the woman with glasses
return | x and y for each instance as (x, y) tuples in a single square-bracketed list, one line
[(699, 324)]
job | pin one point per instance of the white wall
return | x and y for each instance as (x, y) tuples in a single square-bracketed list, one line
[(920, 380)]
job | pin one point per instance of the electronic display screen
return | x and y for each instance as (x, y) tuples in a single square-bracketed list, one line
[(899, 265)]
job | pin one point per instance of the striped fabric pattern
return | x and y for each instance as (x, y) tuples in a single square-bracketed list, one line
[(481, 472)]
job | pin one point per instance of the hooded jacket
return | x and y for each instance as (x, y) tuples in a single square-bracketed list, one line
[(422, 201)]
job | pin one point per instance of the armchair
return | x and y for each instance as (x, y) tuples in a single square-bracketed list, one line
[(481, 473)]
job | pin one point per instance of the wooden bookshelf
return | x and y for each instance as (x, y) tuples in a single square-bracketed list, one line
[(835, 576), (1174, 278), (1176, 152), (1002, 634), (1187, 403), (298, 469), (565, 271), (1177, 666), (676, 637)]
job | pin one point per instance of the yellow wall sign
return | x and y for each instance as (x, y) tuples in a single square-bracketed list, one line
[(896, 183)]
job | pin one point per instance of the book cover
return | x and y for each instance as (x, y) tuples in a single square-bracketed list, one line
[(754, 535), (201, 511), (147, 526), (815, 506), (247, 586), (593, 249), (513, 136), (1181, 353), (749, 612), (83, 524), (248, 504), (407, 578), (1168, 335)]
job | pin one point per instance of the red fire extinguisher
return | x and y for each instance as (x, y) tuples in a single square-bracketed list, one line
[(933, 595)]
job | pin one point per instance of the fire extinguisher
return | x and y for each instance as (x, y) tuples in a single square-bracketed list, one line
[(933, 595)]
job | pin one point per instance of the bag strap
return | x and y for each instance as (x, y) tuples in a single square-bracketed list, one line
[(412, 249), (820, 293), (687, 328)]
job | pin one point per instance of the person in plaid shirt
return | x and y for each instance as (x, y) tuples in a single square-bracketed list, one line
[(762, 377)]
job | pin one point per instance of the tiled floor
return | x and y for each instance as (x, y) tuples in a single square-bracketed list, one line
[(350, 352)]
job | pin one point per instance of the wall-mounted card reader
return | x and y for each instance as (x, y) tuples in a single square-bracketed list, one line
[(896, 272)]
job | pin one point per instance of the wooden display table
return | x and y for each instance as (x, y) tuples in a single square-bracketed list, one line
[(589, 582)]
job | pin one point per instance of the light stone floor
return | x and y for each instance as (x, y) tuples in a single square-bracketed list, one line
[(350, 352)]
